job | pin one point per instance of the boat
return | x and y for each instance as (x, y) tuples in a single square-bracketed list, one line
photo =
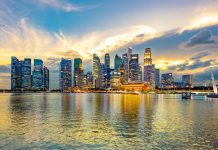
[(214, 94), (186, 95)]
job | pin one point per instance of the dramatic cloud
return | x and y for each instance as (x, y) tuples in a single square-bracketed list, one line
[(193, 63), (202, 37)]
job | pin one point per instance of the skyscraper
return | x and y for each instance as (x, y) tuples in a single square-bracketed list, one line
[(96, 70), (133, 67), (148, 68), (107, 70), (157, 77), (37, 78), (125, 66), (140, 73), (102, 77), (117, 62), (78, 73), (46, 78), (26, 74), (16, 82), (187, 80), (167, 80), (89, 79), (129, 55), (65, 74)]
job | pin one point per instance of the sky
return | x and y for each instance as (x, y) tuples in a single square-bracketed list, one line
[(183, 35)]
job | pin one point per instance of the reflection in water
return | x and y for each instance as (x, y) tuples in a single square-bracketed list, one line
[(86, 120)]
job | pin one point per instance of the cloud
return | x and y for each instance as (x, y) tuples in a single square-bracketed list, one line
[(194, 63), (68, 7), (201, 38)]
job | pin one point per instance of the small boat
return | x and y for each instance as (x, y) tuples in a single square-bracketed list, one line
[(214, 94), (186, 95)]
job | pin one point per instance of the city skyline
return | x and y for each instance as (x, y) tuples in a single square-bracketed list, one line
[(124, 75), (182, 34)]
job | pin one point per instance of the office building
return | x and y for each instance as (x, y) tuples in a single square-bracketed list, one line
[(37, 75), (148, 68), (96, 71), (167, 80), (140, 73), (78, 73), (125, 66), (117, 62), (46, 78), (26, 74), (107, 70), (133, 67), (16, 81), (157, 78), (115, 80), (187, 80), (89, 79), (65, 75), (102, 77)]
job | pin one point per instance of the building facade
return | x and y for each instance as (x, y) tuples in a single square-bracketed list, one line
[(167, 80), (16, 82), (37, 75), (78, 73), (134, 68), (187, 80), (117, 62), (46, 78), (26, 77), (107, 70), (65, 75), (96, 70), (157, 77)]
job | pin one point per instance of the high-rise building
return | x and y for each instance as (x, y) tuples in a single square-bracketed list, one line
[(149, 71), (117, 62), (102, 77), (133, 67), (37, 75), (129, 55), (157, 77), (16, 81), (167, 80), (89, 79), (125, 66), (46, 78), (26, 74), (187, 80), (140, 73), (107, 69), (96, 71), (78, 73), (115, 80), (65, 75)]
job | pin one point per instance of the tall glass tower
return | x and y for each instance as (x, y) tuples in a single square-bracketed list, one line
[(107, 70), (96, 71), (37, 75), (134, 67), (78, 73), (65, 75), (117, 62), (26, 74), (16, 82), (46, 78)]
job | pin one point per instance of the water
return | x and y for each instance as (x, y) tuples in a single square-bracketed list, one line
[(103, 121)]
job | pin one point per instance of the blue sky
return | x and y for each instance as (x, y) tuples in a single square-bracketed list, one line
[(177, 31)]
